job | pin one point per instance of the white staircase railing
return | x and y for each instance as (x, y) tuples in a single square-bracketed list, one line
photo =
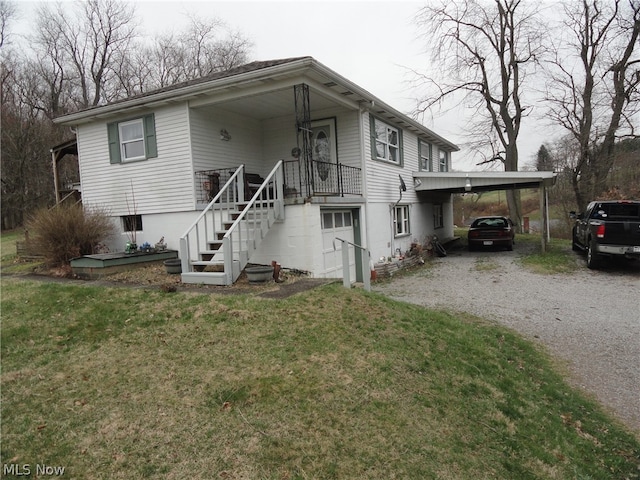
[(229, 230)]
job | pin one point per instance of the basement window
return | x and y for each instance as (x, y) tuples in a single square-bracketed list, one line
[(131, 223), (438, 216)]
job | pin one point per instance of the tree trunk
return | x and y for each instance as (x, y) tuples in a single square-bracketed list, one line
[(513, 196)]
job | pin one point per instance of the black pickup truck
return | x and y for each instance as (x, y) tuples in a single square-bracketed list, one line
[(608, 229)]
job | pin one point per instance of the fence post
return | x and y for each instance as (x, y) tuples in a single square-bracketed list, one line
[(346, 271), (366, 269)]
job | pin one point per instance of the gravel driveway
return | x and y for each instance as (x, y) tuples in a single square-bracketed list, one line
[(589, 319)]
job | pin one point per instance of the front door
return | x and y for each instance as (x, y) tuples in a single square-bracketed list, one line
[(324, 156)]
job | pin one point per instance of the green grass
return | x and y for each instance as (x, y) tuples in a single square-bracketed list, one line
[(558, 257), (9, 260), (8, 244), (330, 383)]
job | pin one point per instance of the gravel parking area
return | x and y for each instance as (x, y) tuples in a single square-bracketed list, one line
[(588, 319)]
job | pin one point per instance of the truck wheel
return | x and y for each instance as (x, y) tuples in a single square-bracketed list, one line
[(593, 262)]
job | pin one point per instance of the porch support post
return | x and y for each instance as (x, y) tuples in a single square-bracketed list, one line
[(54, 166), (303, 127)]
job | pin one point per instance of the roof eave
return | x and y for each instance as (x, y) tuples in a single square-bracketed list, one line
[(378, 106), (374, 104), (182, 93)]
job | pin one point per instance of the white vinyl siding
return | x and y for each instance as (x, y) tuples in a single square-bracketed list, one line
[(382, 177), (163, 185), (211, 152)]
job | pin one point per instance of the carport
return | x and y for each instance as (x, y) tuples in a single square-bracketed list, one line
[(470, 182)]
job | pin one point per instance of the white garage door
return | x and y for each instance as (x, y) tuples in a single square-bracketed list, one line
[(337, 223)]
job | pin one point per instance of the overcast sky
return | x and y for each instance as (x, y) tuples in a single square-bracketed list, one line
[(372, 43)]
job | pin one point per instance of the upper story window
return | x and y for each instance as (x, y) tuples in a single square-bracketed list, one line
[(424, 150), (386, 142), (443, 165), (132, 140)]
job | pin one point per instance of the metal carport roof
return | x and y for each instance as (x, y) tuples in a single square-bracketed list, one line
[(470, 182), (465, 182)]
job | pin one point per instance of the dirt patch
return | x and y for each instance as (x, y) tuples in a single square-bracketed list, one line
[(156, 277)]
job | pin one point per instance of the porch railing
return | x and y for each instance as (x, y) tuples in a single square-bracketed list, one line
[(321, 178), (210, 182), (219, 243)]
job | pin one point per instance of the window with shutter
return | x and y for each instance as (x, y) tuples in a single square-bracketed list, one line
[(132, 140)]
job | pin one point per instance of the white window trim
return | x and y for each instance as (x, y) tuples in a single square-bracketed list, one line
[(425, 156), (438, 215), (386, 143), (123, 155), (443, 161), (401, 214)]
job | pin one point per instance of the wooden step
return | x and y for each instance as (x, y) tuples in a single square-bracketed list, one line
[(206, 278), (208, 255), (213, 245)]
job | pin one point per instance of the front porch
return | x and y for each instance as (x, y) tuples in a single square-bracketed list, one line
[(318, 179)]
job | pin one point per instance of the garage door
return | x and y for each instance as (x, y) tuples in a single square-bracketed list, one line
[(337, 223)]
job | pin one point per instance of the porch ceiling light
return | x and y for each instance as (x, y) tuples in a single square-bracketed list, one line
[(417, 182), (467, 185)]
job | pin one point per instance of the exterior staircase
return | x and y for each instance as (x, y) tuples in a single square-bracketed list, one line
[(218, 245)]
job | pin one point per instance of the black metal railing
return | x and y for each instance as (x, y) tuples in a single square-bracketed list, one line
[(209, 183), (321, 178), (350, 180)]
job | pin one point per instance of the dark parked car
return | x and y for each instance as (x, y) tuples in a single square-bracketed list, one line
[(491, 232)]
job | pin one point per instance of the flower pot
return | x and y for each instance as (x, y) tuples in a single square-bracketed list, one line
[(259, 274), (173, 265)]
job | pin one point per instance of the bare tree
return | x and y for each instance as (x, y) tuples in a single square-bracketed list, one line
[(26, 137), (592, 90), (7, 13), (81, 55), (205, 47), (77, 51), (483, 50)]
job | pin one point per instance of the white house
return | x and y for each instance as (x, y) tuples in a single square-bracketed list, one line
[(270, 161)]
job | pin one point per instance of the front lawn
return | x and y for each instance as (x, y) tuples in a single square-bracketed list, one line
[(331, 383)]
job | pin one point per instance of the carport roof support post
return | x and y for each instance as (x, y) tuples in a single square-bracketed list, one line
[(544, 211)]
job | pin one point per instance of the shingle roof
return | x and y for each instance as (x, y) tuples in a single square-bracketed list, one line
[(246, 68)]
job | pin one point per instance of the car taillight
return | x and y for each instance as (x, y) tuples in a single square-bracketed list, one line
[(600, 231)]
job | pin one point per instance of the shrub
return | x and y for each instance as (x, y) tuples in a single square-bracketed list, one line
[(66, 232)]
